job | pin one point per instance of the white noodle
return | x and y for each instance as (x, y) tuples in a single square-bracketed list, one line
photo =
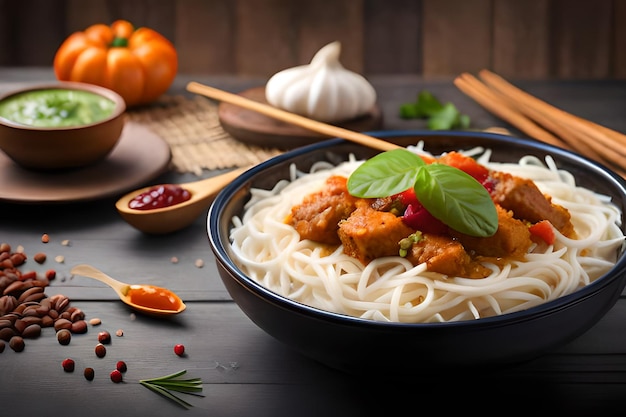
[(391, 288)]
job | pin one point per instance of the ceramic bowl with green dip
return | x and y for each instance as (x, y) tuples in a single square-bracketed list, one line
[(60, 125)]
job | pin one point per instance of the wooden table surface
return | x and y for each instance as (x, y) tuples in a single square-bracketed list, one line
[(245, 371)]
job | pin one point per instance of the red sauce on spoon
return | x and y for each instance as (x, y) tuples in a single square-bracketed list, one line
[(160, 196), (153, 297)]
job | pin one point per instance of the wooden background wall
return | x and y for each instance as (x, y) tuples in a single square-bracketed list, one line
[(517, 38)]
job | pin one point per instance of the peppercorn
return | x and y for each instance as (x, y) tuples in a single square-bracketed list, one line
[(68, 365), (116, 376), (179, 349)]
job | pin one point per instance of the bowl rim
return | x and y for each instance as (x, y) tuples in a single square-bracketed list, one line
[(118, 110), (618, 271)]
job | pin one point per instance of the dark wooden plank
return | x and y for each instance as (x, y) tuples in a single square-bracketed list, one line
[(265, 37), (82, 14), (245, 371), (155, 14), (318, 23), (392, 37), (520, 38), (618, 51), (7, 19), (204, 36), (581, 39), (457, 36), (248, 373), (37, 32)]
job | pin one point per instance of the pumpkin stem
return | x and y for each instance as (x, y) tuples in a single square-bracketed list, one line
[(120, 42)]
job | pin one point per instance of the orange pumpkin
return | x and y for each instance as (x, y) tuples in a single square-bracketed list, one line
[(140, 65)]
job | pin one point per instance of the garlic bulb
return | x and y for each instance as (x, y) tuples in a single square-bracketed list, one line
[(322, 90)]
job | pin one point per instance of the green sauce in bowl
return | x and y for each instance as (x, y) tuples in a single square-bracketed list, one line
[(56, 108)]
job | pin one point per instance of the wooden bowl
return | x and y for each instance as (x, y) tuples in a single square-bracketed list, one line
[(34, 140)]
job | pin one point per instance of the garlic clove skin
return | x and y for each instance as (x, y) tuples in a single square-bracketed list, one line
[(322, 90)]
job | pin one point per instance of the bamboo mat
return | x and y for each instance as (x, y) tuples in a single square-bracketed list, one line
[(192, 128)]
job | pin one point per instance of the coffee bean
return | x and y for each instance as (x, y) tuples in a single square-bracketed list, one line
[(29, 292), (79, 327), (89, 374), (77, 315), (33, 331), (47, 321), (101, 351), (40, 257), (64, 336), (104, 337), (17, 343), (62, 323), (7, 333)]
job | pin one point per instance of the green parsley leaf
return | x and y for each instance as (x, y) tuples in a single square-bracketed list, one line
[(428, 104), (448, 193), (440, 116)]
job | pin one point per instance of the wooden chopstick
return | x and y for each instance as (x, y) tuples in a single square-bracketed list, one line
[(495, 104), (545, 122), (580, 129), (285, 116)]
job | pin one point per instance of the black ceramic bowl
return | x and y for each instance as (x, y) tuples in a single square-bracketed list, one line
[(359, 346)]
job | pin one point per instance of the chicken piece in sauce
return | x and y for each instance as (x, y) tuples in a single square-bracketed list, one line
[(368, 234), (318, 217), (445, 255), (511, 240), (527, 202)]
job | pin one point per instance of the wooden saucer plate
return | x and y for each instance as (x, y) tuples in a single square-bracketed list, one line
[(257, 129), (139, 157)]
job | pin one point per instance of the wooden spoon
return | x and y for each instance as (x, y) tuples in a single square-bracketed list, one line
[(175, 217), (149, 299)]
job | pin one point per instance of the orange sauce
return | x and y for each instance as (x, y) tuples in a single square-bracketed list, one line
[(153, 297)]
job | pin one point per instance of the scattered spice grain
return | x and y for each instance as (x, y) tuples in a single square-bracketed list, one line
[(121, 366), (116, 376), (64, 337), (100, 350), (179, 349), (89, 373), (40, 257), (104, 337), (68, 365), (16, 343)]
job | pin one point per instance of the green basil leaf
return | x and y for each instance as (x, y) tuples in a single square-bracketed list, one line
[(385, 174), (456, 199)]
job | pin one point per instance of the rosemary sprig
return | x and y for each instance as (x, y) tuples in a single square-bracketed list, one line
[(164, 385)]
